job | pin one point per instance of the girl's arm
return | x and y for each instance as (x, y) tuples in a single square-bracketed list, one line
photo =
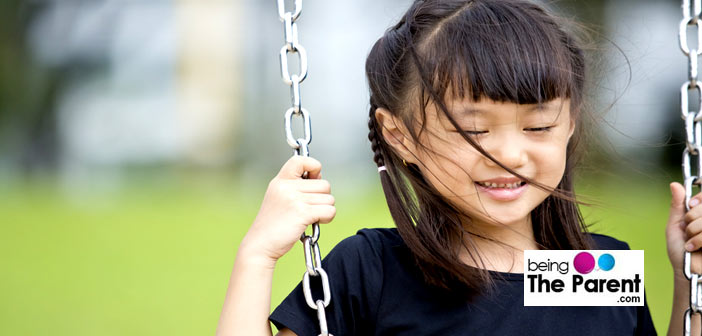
[(291, 203), (683, 227), (250, 284), (247, 304), (681, 301)]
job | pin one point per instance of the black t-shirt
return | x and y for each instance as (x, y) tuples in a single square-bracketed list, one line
[(377, 290)]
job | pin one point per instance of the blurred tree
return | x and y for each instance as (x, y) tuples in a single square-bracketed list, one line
[(27, 95)]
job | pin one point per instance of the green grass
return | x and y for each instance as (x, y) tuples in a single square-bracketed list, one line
[(155, 258)]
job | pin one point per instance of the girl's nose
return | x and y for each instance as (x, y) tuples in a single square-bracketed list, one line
[(510, 153)]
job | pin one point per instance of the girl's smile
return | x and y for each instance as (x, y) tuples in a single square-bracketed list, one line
[(503, 192)]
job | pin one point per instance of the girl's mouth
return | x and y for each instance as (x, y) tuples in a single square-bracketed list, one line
[(502, 185), (508, 192)]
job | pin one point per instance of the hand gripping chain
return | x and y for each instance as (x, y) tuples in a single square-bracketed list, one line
[(313, 258), (693, 143)]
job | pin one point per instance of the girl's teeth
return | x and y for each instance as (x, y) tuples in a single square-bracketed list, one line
[(501, 185)]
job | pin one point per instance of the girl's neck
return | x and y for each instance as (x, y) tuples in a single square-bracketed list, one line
[(498, 247)]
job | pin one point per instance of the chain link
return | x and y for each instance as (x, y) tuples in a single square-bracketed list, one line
[(300, 146), (693, 143), (691, 15)]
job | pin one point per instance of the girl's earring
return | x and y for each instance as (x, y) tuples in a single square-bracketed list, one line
[(404, 162)]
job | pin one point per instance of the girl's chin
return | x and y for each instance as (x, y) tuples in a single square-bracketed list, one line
[(500, 221)]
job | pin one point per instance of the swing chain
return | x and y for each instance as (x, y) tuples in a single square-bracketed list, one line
[(313, 257), (692, 10)]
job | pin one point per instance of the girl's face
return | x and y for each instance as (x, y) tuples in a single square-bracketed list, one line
[(529, 139)]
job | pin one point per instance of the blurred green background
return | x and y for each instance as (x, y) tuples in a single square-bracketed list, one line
[(137, 139)]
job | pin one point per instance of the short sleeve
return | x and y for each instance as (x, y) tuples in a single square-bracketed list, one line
[(354, 268)]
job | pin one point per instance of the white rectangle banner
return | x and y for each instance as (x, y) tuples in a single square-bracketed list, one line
[(583, 277)]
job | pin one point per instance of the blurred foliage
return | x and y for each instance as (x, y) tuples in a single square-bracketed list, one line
[(28, 93)]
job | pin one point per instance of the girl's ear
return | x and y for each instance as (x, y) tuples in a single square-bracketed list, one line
[(572, 128), (395, 134)]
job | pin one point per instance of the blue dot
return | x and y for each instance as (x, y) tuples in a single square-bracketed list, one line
[(606, 262)]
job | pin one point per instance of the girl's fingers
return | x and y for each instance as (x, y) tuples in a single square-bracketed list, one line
[(297, 165), (693, 218), (694, 243), (312, 186), (324, 213), (695, 210), (694, 228), (318, 199)]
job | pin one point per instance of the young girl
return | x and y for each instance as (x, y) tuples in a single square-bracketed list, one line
[(476, 119)]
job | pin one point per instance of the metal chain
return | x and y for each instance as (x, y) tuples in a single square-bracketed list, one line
[(313, 258), (693, 142)]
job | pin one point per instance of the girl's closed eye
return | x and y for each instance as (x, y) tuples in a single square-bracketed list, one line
[(532, 129), (474, 133), (540, 129)]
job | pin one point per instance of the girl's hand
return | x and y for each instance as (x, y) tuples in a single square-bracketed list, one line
[(290, 204), (684, 228)]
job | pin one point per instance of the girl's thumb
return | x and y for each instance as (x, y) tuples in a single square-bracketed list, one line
[(677, 204)]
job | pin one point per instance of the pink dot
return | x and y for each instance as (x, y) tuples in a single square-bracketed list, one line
[(584, 262)]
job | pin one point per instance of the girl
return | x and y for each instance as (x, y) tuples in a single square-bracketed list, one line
[(476, 121)]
